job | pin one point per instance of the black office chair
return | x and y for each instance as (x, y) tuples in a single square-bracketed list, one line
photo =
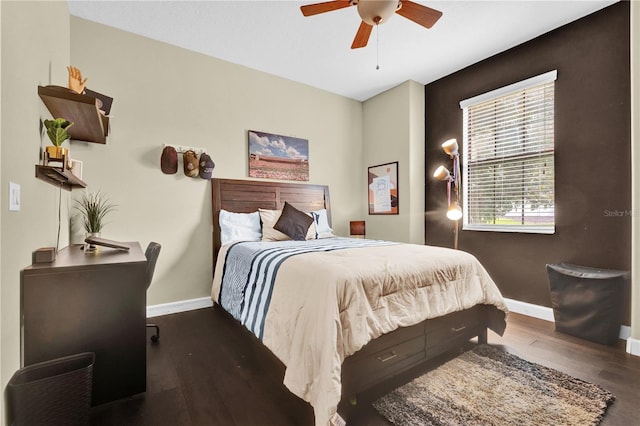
[(152, 252)]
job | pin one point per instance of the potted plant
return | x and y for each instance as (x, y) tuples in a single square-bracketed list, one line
[(93, 207), (57, 132)]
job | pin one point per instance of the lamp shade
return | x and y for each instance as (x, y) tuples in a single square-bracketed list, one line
[(442, 173), (375, 12), (454, 212), (450, 147), (357, 227)]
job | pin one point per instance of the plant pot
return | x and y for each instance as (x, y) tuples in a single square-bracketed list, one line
[(56, 153), (91, 248)]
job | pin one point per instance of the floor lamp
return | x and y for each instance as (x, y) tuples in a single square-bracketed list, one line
[(452, 178)]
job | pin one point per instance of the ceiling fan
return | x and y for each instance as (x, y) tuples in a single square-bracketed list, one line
[(375, 12)]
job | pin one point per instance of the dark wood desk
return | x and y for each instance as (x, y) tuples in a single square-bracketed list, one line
[(90, 303)]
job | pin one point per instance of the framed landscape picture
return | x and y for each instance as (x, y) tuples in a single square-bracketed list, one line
[(383, 189), (278, 157)]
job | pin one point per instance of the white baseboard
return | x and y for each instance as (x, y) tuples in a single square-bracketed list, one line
[(544, 313), (633, 346), (524, 308), (530, 310), (179, 306)]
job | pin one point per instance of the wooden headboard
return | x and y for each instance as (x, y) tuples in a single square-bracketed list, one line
[(246, 196)]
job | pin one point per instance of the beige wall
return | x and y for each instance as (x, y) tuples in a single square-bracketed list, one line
[(394, 131), (164, 94), (34, 52), (416, 162)]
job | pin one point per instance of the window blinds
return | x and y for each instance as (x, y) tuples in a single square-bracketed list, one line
[(508, 163)]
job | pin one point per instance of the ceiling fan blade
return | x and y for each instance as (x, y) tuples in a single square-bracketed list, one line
[(327, 6), (362, 36), (421, 15)]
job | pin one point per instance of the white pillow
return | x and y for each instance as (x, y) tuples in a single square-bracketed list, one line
[(239, 227), (323, 230)]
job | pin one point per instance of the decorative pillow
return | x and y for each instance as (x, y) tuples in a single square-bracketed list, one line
[(239, 227), (311, 233), (293, 222), (323, 230), (269, 219)]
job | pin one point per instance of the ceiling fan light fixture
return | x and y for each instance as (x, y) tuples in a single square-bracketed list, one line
[(375, 12)]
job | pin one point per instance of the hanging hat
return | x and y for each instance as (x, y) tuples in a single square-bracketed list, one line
[(169, 160), (206, 166), (190, 160)]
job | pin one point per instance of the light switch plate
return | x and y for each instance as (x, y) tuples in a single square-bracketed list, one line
[(14, 197)]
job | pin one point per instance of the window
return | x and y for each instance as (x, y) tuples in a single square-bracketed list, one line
[(508, 158)]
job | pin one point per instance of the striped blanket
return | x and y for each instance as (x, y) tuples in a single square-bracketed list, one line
[(250, 271)]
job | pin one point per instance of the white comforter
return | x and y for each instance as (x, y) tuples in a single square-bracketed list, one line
[(325, 306)]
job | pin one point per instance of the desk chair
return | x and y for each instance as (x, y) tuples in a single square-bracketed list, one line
[(152, 252)]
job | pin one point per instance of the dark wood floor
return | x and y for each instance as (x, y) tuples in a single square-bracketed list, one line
[(207, 370)]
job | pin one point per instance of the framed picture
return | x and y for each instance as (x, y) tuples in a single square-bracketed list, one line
[(278, 157), (383, 189)]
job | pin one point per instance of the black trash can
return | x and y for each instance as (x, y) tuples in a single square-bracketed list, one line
[(56, 392), (587, 302)]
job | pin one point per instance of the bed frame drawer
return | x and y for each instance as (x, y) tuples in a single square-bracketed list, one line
[(456, 328), (408, 347), (398, 336), (376, 362), (376, 367)]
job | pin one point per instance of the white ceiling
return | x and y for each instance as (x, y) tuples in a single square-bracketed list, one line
[(274, 37)]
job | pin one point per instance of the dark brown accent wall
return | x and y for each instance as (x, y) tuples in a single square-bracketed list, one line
[(592, 157)]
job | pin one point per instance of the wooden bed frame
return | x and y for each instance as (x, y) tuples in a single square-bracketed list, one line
[(247, 196), (390, 354)]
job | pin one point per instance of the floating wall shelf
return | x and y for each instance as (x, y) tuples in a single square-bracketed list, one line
[(90, 125), (59, 177)]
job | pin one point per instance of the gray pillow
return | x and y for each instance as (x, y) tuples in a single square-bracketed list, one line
[(293, 222)]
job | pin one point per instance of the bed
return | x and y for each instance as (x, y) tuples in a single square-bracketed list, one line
[(369, 310)]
